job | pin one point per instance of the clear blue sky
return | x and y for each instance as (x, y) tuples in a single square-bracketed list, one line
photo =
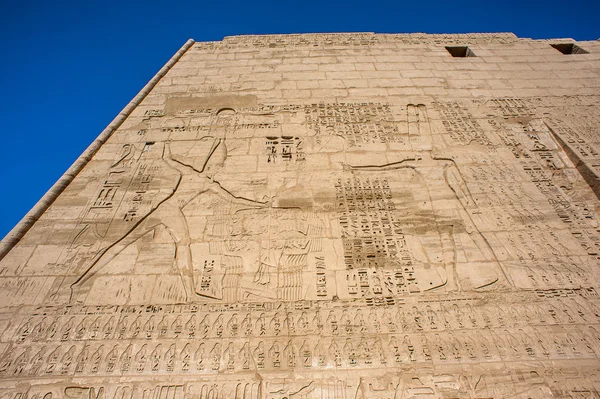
[(70, 66)]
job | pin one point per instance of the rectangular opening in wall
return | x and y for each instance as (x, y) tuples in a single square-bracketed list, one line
[(460, 51), (569, 48)]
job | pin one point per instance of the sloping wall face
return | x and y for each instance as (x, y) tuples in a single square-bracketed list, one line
[(326, 216)]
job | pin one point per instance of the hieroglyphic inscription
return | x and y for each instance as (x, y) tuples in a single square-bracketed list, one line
[(510, 107), (358, 123), (375, 251), (532, 144), (462, 127), (249, 233), (284, 149), (140, 184), (190, 339)]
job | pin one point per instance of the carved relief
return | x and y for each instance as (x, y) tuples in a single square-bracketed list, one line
[(218, 246)]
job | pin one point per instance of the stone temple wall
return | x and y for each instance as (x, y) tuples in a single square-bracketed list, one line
[(324, 216)]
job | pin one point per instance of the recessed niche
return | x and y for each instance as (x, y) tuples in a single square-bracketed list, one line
[(460, 51), (569, 48)]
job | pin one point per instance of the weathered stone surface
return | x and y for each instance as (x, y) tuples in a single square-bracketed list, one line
[(326, 216)]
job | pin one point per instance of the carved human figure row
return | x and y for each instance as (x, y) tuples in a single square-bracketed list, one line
[(335, 321), (222, 355)]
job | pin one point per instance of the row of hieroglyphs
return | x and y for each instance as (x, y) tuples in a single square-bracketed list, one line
[(349, 318), (308, 352), (363, 123), (354, 39), (532, 382), (358, 123)]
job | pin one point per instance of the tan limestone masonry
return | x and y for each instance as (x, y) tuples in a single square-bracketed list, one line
[(338, 216)]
